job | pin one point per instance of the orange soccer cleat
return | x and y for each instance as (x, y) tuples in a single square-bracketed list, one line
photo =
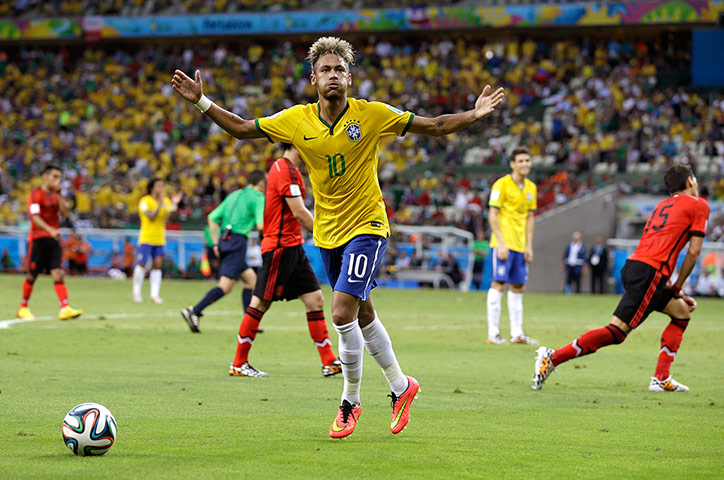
[(346, 420), (401, 406)]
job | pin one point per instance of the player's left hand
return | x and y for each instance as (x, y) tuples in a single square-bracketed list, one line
[(528, 255), (485, 104), (690, 302)]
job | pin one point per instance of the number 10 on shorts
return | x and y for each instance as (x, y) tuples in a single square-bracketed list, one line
[(357, 266)]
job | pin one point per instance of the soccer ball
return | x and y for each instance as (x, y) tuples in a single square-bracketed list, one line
[(89, 429)]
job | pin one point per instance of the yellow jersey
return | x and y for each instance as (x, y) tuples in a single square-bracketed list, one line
[(342, 162), (153, 232), (513, 204)]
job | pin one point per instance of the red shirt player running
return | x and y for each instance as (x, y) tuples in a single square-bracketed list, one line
[(675, 221), (285, 273), (44, 251)]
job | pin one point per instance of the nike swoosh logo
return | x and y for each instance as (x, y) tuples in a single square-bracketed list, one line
[(335, 428), (399, 413), (309, 138)]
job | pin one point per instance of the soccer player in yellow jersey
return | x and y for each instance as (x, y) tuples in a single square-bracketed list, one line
[(513, 199), (338, 139), (154, 210)]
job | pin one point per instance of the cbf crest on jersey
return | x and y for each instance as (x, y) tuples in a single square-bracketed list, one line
[(529, 196), (353, 129)]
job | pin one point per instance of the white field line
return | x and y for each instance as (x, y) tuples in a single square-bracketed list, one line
[(6, 324), (449, 322)]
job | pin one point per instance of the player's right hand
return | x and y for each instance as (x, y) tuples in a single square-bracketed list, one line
[(690, 302), (190, 90), (502, 253)]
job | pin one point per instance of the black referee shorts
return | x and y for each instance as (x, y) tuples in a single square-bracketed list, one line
[(645, 291), (285, 274)]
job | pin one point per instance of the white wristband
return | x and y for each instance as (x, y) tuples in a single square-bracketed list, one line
[(203, 104)]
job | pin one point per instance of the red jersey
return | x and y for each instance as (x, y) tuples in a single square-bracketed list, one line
[(281, 229), (47, 206), (668, 229)]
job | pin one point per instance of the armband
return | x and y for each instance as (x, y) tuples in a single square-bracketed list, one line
[(675, 289), (203, 104)]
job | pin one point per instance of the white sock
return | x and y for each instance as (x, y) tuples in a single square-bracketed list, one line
[(350, 347), (379, 346), (155, 279), (515, 312), (494, 298), (138, 274)]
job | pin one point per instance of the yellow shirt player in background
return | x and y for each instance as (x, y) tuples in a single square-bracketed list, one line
[(338, 139), (513, 199), (154, 210)]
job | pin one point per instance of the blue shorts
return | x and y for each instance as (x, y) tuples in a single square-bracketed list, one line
[(352, 268), (233, 256), (145, 251), (514, 270)]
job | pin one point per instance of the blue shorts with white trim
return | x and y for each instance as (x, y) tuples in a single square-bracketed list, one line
[(514, 270), (352, 268)]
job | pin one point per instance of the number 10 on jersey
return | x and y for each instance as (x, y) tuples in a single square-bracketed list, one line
[(336, 165)]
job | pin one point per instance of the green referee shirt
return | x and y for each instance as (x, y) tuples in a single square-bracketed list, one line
[(207, 237), (241, 211)]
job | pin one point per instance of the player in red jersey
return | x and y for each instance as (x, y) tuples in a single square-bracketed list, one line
[(285, 273), (44, 251), (675, 221)]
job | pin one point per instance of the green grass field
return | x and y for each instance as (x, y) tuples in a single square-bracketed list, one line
[(181, 416)]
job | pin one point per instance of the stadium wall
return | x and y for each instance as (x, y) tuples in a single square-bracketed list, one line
[(592, 215)]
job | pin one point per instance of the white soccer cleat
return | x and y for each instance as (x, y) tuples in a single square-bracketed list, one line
[(496, 340), (524, 339), (137, 299), (668, 385), (157, 300), (543, 367), (246, 370)]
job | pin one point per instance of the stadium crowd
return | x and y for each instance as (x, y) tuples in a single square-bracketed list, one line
[(55, 8), (110, 119)]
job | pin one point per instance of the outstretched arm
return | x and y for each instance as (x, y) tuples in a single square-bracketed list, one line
[(192, 91), (446, 124)]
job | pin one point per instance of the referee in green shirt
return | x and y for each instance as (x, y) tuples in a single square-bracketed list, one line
[(230, 224)]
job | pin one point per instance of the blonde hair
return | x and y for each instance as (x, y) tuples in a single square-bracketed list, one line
[(330, 45)]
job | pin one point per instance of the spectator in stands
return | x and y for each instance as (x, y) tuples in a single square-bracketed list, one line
[(402, 260), (129, 257), (720, 283), (481, 247), (193, 269), (706, 285), (6, 262), (76, 250), (451, 267), (574, 258), (598, 261)]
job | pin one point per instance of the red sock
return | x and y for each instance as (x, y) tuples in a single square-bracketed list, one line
[(319, 333), (27, 290), (247, 334), (589, 342), (62, 292), (670, 341)]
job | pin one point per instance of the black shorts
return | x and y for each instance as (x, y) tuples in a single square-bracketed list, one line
[(285, 274), (74, 266), (45, 255), (645, 291)]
